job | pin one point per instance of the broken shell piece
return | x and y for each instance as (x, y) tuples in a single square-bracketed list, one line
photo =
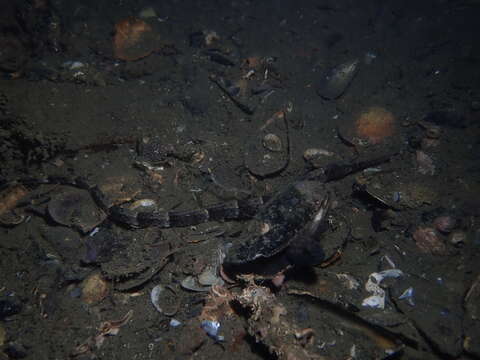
[(211, 328), (175, 323), (373, 286), (209, 277), (190, 283), (408, 296), (272, 142), (94, 289), (146, 203)]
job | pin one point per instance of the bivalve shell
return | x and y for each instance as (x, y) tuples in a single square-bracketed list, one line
[(209, 277), (192, 284), (164, 300)]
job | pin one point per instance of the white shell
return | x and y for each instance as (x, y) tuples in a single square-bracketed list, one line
[(190, 283), (155, 297)]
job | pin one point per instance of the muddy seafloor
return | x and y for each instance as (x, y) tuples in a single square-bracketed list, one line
[(218, 101)]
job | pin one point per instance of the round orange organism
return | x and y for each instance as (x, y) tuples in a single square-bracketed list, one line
[(375, 124), (133, 39)]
